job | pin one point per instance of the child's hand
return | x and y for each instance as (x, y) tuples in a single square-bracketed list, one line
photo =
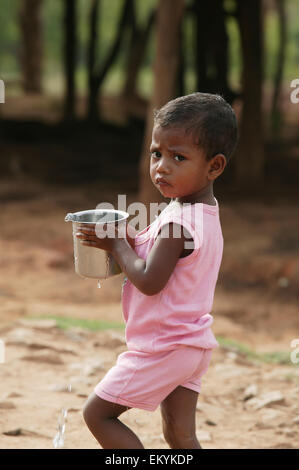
[(99, 236)]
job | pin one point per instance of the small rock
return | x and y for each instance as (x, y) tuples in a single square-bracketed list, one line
[(76, 334), (43, 323), (267, 399), (13, 432), (269, 414), (111, 339), (19, 334), (94, 368), (74, 409), (7, 405), (40, 346), (203, 436), (91, 368), (261, 425), (212, 413), (23, 432), (289, 433), (295, 420), (250, 392), (13, 395), (61, 388), (44, 357), (210, 423)]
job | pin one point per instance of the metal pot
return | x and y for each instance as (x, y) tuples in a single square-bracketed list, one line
[(92, 262)]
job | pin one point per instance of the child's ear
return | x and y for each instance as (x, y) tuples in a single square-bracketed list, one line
[(217, 165)]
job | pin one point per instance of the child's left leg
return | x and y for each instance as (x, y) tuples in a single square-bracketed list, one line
[(101, 418), (178, 412)]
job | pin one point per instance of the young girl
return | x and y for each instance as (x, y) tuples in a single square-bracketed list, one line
[(171, 270)]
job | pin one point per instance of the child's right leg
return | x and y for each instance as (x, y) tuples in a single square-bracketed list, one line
[(101, 418)]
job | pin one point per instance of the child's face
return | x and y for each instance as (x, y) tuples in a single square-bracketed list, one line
[(177, 159)]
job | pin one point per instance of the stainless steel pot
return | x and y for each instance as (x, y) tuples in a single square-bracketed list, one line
[(92, 262)]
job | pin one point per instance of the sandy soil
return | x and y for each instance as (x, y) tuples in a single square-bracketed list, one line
[(256, 304)]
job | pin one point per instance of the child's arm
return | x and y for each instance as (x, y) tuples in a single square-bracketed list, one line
[(131, 234), (151, 275)]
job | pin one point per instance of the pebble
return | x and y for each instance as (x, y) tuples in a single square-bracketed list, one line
[(269, 414), (23, 432), (261, 425), (7, 405), (90, 368), (93, 369), (203, 436), (44, 357), (13, 395), (250, 392), (111, 339), (210, 423), (266, 399), (212, 413), (61, 388), (74, 409)]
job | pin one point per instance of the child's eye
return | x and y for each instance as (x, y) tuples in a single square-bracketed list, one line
[(180, 157), (155, 154)]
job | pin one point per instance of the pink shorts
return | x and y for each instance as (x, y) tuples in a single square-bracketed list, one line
[(143, 380)]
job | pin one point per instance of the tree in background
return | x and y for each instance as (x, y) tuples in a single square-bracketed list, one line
[(31, 45), (138, 41), (276, 115), (97, 73), (211, 48), (169, 18), (250, 156), (70, 52)]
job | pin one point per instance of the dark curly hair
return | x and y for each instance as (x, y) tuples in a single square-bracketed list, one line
[(207, 116)]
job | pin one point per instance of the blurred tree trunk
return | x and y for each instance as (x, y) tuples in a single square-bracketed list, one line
[(70, 50), (211, 48), (138, 42), (181, 85), (169, 17), (202, 28), (92, 105), (98, 75), (276, 118), (250, 158), (31, 45)]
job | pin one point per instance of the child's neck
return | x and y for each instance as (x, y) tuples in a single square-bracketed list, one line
[(205, 196)]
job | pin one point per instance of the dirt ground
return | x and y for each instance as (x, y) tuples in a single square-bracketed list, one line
[(245, 403)]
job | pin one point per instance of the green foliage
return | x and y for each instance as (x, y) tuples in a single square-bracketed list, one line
[(9, 39), (109, 13), (275, 357)]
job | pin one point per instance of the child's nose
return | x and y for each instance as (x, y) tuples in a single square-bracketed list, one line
[(163, 165)]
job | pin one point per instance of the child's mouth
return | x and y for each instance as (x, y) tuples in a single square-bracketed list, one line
[(162, 182)]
